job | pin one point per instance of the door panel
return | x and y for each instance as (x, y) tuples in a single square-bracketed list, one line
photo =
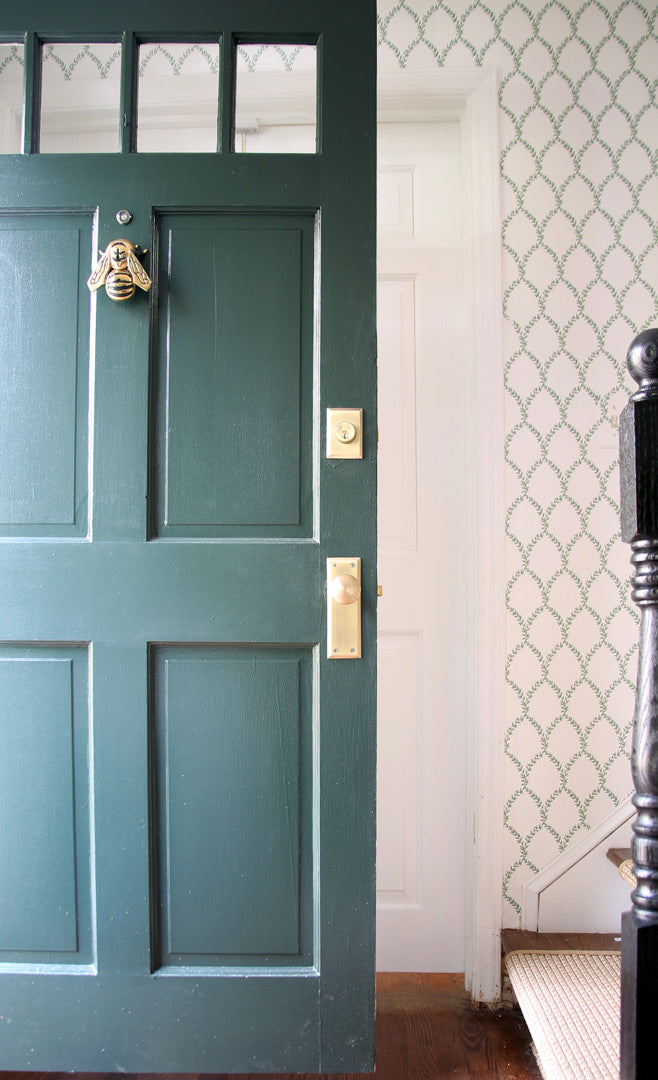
[(46, 344), (220, 804), (236, 325), (243, 767), (45, 895)]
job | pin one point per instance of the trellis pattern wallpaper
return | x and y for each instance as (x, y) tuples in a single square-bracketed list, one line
[(579, 156)]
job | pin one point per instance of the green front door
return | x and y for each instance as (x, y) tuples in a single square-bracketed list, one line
[(186, 779)]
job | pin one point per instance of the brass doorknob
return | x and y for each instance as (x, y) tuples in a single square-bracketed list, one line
[(345, 589)]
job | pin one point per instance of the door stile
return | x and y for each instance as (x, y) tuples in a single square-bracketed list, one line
[(349, 380)]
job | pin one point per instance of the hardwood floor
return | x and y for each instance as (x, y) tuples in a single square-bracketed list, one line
[(427, 1029)]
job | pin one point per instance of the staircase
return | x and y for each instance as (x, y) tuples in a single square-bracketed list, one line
[(568, 988), (621, 858), (578, 1006)]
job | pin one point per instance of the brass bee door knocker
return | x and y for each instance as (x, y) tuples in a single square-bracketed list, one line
[(120, 270)]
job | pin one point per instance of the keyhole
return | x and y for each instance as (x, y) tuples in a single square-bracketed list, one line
[(345, 431)]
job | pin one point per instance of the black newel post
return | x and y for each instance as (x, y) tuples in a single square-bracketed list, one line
[(638, 434)]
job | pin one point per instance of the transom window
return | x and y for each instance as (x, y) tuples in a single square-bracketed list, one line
[(172, 93), (11, 96)]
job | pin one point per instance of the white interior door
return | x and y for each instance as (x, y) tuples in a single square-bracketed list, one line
[(423, 458)]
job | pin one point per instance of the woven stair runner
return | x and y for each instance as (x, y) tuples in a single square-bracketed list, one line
[(570, 1001)]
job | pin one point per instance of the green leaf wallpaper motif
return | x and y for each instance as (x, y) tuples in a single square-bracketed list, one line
[(579, 164), (11, 56), (106, 60), (206, 57)]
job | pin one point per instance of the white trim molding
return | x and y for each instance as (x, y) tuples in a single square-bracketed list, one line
[(568, 858), (485, 735)]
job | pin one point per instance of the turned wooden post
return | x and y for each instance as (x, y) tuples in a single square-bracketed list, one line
[(638, 435)]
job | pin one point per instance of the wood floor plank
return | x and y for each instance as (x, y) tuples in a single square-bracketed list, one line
[(427, 1029)]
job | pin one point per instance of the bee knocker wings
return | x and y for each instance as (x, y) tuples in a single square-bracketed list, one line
[(119, 270), (140, 277), (100, 271)]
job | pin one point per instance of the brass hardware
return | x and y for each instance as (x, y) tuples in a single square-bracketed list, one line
[(119, 270), (124, 217), (380, 590), (344, 609), (345, 589), (344, 433)]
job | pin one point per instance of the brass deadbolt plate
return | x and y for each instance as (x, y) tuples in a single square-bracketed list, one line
[(344, 433)]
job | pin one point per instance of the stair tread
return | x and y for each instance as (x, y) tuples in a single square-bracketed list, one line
[(618, 855), (570, 1002)]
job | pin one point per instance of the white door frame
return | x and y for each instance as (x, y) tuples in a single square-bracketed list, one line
[(471, 95)]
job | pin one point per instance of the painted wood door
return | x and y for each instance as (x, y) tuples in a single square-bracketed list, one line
[(425, 444), (186, 781)]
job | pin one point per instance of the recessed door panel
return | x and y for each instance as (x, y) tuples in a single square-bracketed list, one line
[(232, 748), (45, 914), (235, 302), (44, 366)]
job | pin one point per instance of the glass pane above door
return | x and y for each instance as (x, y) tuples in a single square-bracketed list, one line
[(80, 91), (11, 97), (276, 99), (177, 98), (178, 91)]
